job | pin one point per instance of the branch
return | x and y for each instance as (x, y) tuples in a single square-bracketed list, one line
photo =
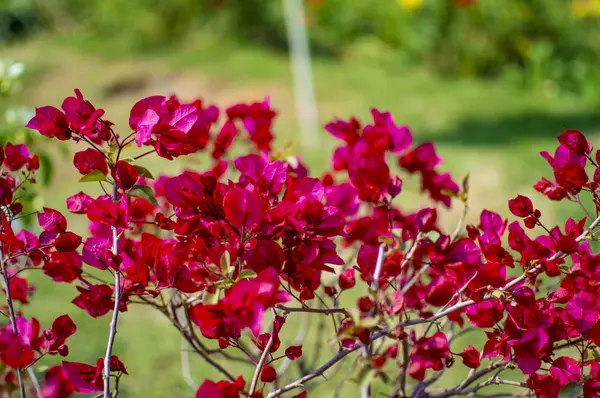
[(460, 223), (261, 362), (474, 377), (341, 354), (444, 311), (13, 317), (299, 341), (324, 311), (491, 381), (189, 336), (366, 390), (378, 268), (185, 345), (34, 381), (115, 316), (556, 255)]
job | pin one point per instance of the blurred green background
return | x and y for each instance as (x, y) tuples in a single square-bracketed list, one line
[(490, 82)]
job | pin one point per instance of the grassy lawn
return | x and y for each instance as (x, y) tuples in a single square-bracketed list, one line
[(490, 130)]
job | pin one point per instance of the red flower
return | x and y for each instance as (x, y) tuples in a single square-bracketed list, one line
[(124, 174), (268, 374), (428, 353), (346, 279), (96, 300), (90, 160), (50, 122), (293, 352), (57, 383), (470, 357)]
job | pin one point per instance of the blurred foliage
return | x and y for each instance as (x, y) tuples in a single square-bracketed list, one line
[(12, 120), (17, 18), (543, 44)]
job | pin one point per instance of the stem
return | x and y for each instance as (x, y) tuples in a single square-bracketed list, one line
[(34, 381), (144, 154), (587, 213), (115, 316), (261, 363), (324, 311), (13, 317), (366, 390), (440, 314), (189, 336)]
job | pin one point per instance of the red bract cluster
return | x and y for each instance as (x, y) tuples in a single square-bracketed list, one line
[(233, 252)]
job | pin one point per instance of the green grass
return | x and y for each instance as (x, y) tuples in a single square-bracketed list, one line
[(490, 130)]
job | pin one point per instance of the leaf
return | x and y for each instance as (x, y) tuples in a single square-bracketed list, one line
[(465, 184), (592, 353), (93, 176), (226, 266), (449, 193), (368, 323), (211, 298), (224, 284), (144, 192), (247, 274), (144, 172), (571, 390)]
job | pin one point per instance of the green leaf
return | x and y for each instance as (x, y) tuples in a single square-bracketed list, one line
[(449, 193), (465, 184), (368, 323), (95, 175), (224, 284), (144, 172), (211, 298), (247, 274), (226, 266), (144, 192), (571, 390)]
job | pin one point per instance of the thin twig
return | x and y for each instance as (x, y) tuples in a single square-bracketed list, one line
[(115, 316), (34, 381), (587, 213), (460, 223), (13, 317), (324, 311), (261, 362), (185, 345), (366, 390), (299, 340), (190, 338)]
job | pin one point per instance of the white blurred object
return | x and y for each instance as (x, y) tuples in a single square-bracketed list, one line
[(15, 70), (306, 107)]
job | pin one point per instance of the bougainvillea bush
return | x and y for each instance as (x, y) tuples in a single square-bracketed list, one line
[(230, 255)]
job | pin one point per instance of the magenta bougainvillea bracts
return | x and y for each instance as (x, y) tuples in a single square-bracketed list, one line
[(240, 256)]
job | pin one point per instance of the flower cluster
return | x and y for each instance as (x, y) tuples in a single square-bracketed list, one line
[(229, 253)]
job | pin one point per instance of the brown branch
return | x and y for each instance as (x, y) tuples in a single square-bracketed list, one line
[(261, 363), (324, 311)]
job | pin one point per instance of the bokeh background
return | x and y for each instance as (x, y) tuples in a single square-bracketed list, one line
[(490, 82)]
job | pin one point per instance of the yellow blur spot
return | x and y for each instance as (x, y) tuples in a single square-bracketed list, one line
[(585, 8), (410, 5)]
